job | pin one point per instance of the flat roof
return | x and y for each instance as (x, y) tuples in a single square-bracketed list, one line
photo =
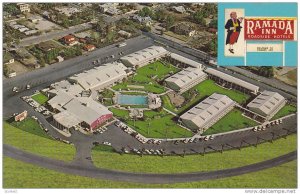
[(232, 79), (66, 119)]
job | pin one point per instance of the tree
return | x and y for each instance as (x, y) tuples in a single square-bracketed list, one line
[(266, 71), (146, 11), (160, 15), (11, 8), (6, 70), (42, 62), (169, 22), (213, 23), (199, 18)]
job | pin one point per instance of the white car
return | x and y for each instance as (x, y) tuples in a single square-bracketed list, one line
[(106, 143)]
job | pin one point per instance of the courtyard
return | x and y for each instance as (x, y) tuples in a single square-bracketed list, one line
[(153, 124), (148, 78)]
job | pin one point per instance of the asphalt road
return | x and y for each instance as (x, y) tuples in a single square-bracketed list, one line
[(52, 35), (141, 177)]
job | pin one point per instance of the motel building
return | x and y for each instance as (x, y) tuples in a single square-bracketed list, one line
[(229, 81), (81, 113), (207, 112)]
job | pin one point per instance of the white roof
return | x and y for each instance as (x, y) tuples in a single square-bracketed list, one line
[(99, 75), (86, 109), (208, 109), (186, 76), (232, 79), (66, 119), (145, 55), (67, 87), (79, 109), (186, 60), (267, 102), (60, 99)]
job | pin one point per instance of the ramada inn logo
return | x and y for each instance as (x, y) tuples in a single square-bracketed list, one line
[(269, 28)]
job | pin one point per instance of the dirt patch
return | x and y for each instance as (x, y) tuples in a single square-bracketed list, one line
[(287, 75), (18, 67), (176, 99)]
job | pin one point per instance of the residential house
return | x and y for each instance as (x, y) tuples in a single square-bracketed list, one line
[(124, 34), (60, 58), (70, 40), (24, 7), (12, 74), (23, 29), (46, 46), (142, 20), (184, 29), (6, 15), (46, 15), (106, 6), (30, 32), (8, 59), (89, 47), (179, 9)]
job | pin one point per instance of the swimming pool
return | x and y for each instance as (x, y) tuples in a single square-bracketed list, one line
[(132, 100)]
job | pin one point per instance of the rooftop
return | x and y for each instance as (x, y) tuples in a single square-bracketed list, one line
[(186, 60), (186, 76), (232, 79), (208, 109), (144, 55), (99, 75), (267, 102)]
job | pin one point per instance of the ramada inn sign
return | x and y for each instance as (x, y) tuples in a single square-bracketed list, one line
[(267, 30), (270, 28)]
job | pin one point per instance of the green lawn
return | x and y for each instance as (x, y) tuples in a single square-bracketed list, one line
[(31, 126), (157, 69), (18, 174), (107, 93), (160, 125), (166, 102), (32, 139), (119, 112), (193, 163), (145, 77), (284, 111), (232, 121), (40, 98), (204, 89)]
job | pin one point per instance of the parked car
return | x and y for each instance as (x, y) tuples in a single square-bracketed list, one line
[(106, 143)]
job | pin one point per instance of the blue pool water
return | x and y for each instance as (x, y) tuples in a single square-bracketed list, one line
[(132, 100)]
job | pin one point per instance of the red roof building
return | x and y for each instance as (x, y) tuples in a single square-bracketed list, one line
[(89, 47), (69, 40)]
